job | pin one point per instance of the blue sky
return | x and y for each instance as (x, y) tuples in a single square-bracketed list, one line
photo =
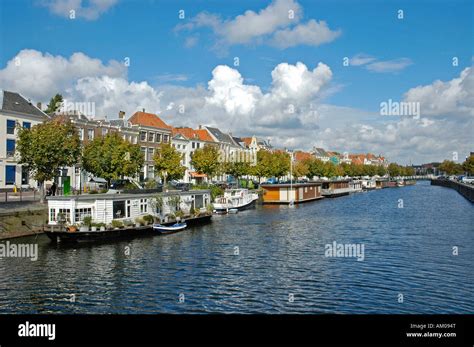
[(426, 39)]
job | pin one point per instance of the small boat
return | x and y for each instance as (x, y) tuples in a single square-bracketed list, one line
[(162, 229), (233, 210), (239, 199)]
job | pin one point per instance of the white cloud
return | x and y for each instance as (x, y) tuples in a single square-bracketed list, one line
[(278, 24), (291, 112), (89, 10), (394, 65), (313, 33), (52, 74), (454, 98), (375, 65)]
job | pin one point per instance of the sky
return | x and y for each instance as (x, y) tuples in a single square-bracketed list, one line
[(298, 73)]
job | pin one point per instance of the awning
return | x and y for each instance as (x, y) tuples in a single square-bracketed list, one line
[(197, 175), (98, 180)]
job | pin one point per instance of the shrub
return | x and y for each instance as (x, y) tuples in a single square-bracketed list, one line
[(117, 224), (140, 221), (128, 223), (179, 214), (148, 218), (103, 190), (87, 221), (93, 192)]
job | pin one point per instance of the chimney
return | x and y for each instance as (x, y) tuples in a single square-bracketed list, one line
[(143, 110), (39, 105), (200, 126), (121, 114)]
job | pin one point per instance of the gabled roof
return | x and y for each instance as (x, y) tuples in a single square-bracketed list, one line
[(319, 152), (16, 103), (220, 136), (203, 135), (246, 140), (190, 134), (148, 119)]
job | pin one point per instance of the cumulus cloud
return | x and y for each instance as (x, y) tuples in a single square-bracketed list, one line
[(312, 33), (454, 98), (278, 24), (291, 112), (89, 10), (52, 74)]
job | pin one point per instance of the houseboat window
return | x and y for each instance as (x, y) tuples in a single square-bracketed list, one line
[(198, 201), (52, 215), (128, 208), (305, 189), (80, 213), (66, 213), (143, 205), (119, 209)]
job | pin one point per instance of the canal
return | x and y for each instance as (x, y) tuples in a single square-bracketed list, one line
[(271, 259)]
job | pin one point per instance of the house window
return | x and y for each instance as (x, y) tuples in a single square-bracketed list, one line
[(151, 171), (10, 173), (143, 149), (25, 177), (193, 145), (52, 215), (158, 138), (142, 135), (66, 214), (27, 125), (143, 205), (119, 209), (11, 126), (90, 134), (10, 148), (198, 145), (80, 213), (151, 151), (104, 131), (165, 138), (81, 134), (151, 136)]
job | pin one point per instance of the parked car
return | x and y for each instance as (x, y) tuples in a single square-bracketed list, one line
[(466, 179), (182, 186)]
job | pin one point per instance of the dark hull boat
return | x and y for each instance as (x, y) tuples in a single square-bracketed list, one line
[(61, 235), (163, 229)]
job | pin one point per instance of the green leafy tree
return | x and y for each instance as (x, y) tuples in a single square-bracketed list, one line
[(206, 160), (301, 168), (316, 167), (450, 167), (280, 164), (47, 147), (54, 104), (468, 165), (393, 169), (262, 167), (168, 163), (381, 170), (237, 169), (111, 157)]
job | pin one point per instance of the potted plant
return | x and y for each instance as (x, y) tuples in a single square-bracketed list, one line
[(116, 224), (148, 219), (71, 228), (139, 222), (86, 223)]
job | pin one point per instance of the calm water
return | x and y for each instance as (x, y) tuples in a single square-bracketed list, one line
[(281, 252)]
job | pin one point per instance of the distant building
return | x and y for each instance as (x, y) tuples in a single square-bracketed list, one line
[(15, 111), (321, 154)]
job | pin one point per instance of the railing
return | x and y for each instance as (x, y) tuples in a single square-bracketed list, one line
[(20, 195)]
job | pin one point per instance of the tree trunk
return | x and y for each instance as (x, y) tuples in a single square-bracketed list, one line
[(41, 191)]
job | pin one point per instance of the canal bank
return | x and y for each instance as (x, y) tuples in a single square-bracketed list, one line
[(466, 190), (22, 219)]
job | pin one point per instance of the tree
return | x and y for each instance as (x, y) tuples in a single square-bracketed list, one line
[(450, 167), (47, 147), (315, 167), (468, 165), (206, 160), (393, 169), (262, 167), (112, 157), (280, 164), (381, 170), (301, 168), (168, 163), (54, 104), (236, 169)]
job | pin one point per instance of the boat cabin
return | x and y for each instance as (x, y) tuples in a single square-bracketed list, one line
[(103, 208), (285, 193)]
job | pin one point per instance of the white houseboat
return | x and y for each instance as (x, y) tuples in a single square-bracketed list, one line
[(91, 216), (356, 186), (368, 184), (234, 199)]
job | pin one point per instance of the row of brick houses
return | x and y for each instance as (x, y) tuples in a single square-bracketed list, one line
[(147, 130)]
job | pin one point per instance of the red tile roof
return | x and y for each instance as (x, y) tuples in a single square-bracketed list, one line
[(299, 155), (247, 140), (189, 133), (203, 135), (148, 119)]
